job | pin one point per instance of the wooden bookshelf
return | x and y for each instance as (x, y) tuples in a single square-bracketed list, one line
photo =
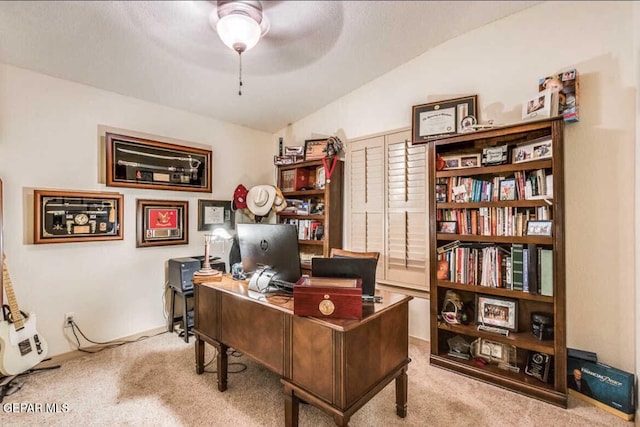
[(474, 231), (306, 188)]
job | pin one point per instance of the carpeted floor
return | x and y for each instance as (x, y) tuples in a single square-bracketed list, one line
[(153, 383)]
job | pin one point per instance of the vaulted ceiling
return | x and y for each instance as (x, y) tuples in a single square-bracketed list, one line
[(166, 52)]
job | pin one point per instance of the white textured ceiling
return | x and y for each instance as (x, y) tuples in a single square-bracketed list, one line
[(166, 52)]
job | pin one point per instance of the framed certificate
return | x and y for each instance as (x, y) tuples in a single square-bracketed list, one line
[(444, 118)]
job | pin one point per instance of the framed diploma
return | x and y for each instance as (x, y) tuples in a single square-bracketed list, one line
[(214, 214), (444, 118)]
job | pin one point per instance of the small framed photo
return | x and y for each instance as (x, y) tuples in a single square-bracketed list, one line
[(495, 155), (470, 160), (494, 351), (538, 149), (443, 118), (542, 105), (77, 216), (451, 162), (498, 312), (161, 222), (539, 228), (447, 227), (321, 178), (508, 189), (441, 193), (314, 149), (214, 214)]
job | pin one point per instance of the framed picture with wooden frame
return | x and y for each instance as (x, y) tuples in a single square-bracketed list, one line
[(214, 214), (161, 222), (443, 118), (143, 163), (314, 149), (62, 216)]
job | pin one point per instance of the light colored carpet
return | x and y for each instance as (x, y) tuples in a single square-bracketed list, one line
[(153, 383)]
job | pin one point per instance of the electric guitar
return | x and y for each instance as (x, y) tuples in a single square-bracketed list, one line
[(21, 348)]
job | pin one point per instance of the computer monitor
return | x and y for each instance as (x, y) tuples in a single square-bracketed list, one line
[(275, 245), (346, 267)]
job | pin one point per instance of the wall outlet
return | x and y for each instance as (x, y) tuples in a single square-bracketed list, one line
[(68, 319)]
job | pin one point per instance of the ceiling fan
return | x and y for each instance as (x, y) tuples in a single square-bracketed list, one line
[(241, 24)]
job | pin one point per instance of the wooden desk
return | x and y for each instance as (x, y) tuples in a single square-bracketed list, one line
[(336, 365)]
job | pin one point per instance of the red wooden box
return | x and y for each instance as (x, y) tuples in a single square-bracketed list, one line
[(327, 297)]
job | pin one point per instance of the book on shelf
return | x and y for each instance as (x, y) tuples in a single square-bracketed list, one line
[(517, 266), (532, 268), (546, 272)]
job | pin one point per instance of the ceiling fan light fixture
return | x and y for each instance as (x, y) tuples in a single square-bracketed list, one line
[(239, 32), (239, 24)]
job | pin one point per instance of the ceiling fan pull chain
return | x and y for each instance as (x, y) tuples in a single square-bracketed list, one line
[(240, 75)]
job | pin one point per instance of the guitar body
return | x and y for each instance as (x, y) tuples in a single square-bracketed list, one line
[(20, 349)]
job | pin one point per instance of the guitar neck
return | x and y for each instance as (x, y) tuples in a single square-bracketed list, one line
[(16, 316)]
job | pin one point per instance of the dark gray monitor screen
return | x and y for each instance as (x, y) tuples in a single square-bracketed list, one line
[(275, 245)]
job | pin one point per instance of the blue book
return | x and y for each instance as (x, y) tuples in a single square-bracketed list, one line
[(525, 270)]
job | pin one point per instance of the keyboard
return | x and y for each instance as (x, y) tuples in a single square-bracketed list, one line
[(282, 285)]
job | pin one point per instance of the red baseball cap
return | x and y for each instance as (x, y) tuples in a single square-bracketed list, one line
[(240, 197)]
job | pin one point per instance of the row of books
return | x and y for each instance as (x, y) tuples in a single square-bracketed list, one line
[(523, 185), (526, 268), (308, 229), (491, 221)]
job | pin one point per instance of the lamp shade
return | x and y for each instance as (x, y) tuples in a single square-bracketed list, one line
[(238, 31)]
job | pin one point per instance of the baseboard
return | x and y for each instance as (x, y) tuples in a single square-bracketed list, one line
[(65, 357)]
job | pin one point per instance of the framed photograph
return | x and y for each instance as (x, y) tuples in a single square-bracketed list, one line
[(451, 162), (544, 104), (161, 222), (470, 160), (142, 163), (539, 228), (77, 216), (447, 227), (508, 189), (321, 178), (314, 149), (498, 312), (538, 149), (444, 118), (495, 155), (214, 214), (441, 193)]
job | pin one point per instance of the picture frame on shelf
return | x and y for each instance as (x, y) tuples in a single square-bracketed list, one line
[(321, 178), (442, 191), (490, 351), (508, 189), (213, 214), (498, 155), (461, 161), (447, 227), (541, 105), (314, 149), (538, 149), (497, 312), (443, 118), (161, 222), (62, 216), (143, 163), (539, 228)]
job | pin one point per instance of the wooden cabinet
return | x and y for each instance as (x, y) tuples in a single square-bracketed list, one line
[(511, 207), (314, 204)]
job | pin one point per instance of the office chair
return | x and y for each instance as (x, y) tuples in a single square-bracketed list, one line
[(335, 253)]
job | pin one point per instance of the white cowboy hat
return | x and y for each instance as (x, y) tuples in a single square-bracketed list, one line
[(260, 199)]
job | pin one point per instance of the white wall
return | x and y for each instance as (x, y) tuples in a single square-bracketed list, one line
[(50, 138), (501, 62)]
